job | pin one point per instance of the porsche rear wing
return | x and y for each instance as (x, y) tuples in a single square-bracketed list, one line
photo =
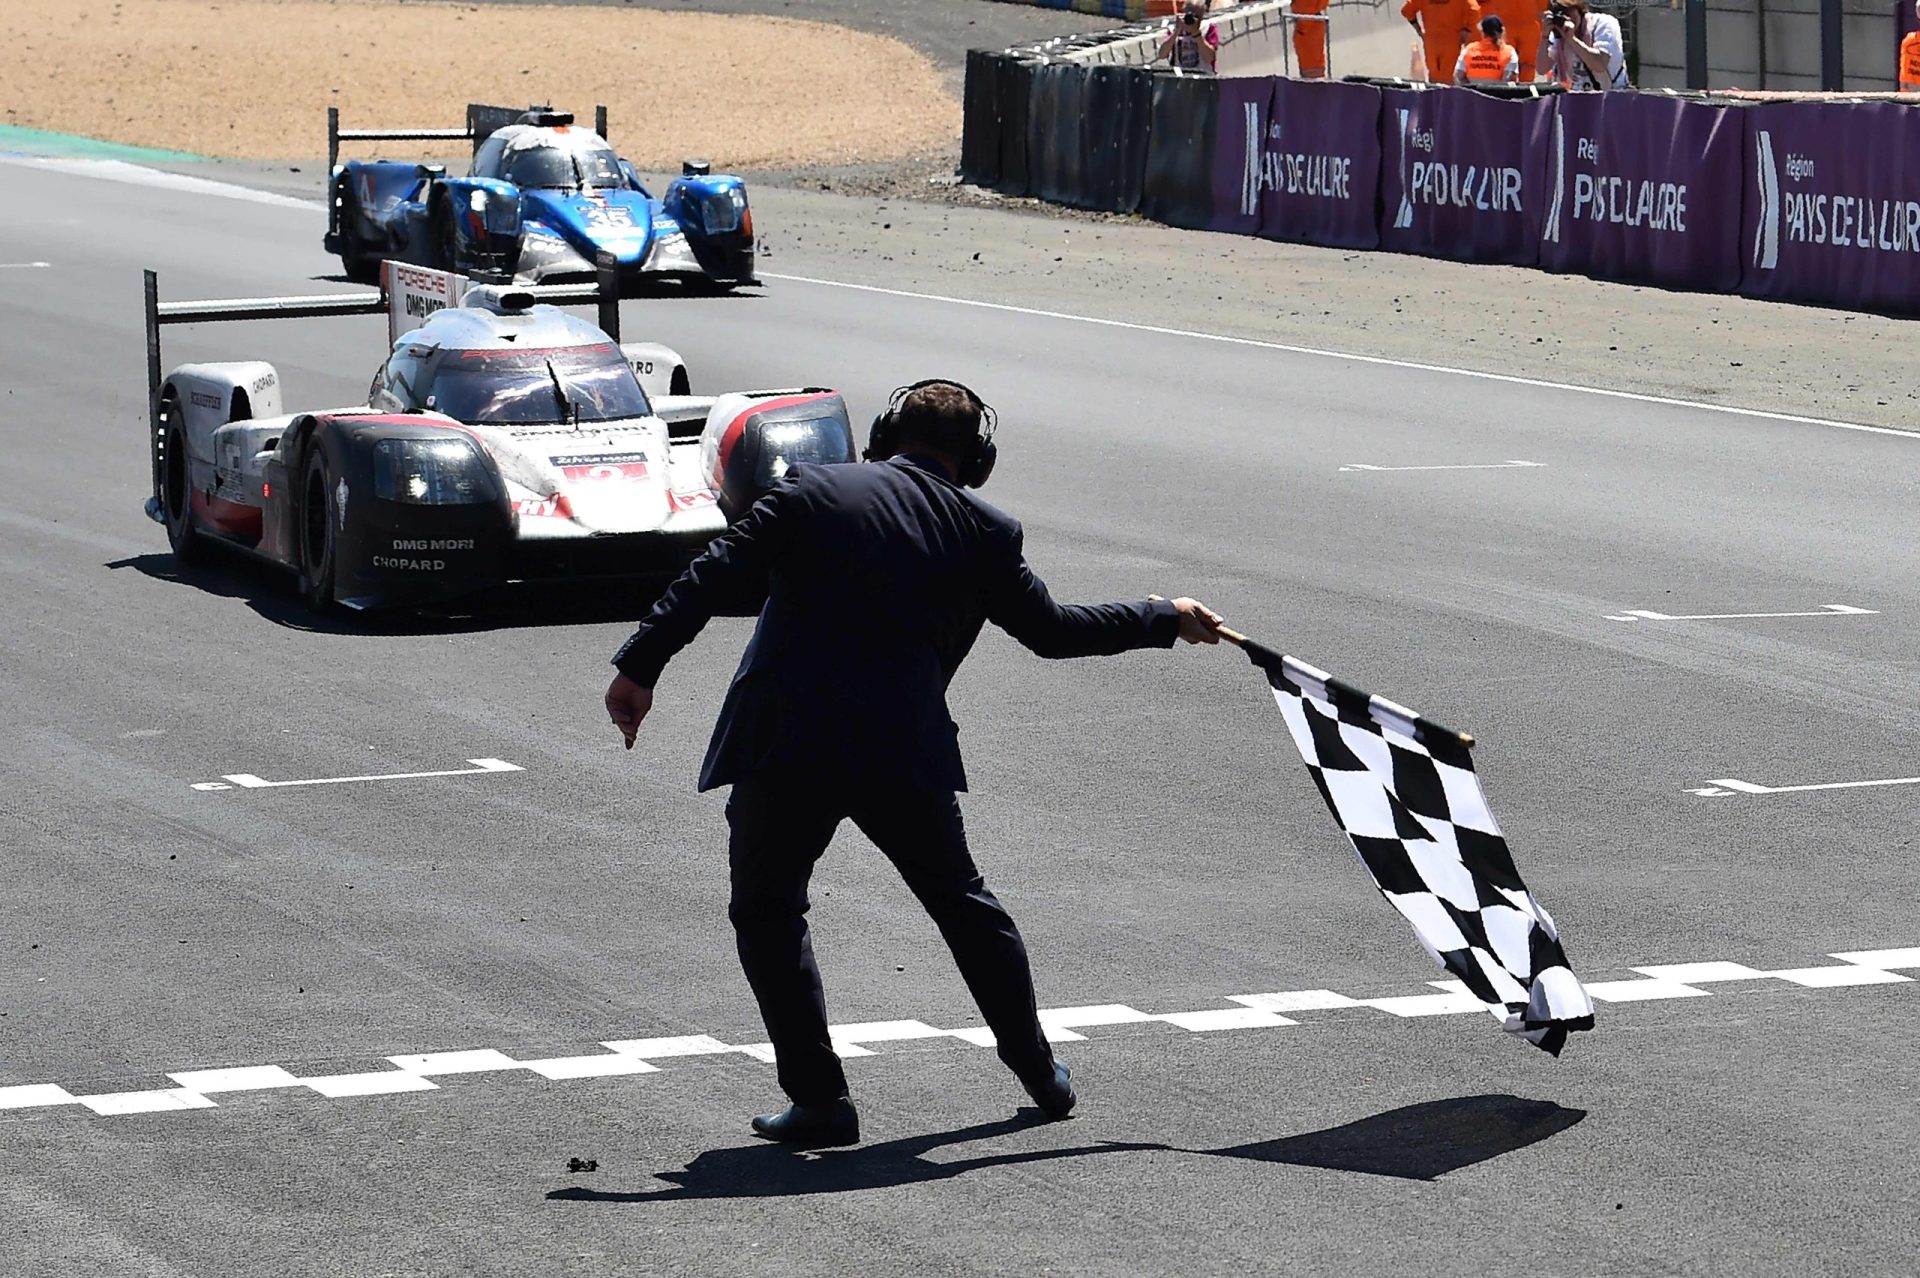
[(603, 293), (482, 122)]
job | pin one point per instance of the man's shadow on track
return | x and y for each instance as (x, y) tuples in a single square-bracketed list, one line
[(1415, 1142), (766, 1170)]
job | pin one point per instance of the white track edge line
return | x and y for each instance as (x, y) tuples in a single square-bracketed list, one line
[(209, 186), (1380, 360)]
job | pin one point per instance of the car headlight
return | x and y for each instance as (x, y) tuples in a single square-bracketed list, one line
[(722, 211), (432, 472), (498, 212)]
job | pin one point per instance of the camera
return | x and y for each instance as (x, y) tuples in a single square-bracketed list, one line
[(1190, 19), (1558, 16)]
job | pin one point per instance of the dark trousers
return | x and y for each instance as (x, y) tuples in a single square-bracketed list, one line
[(779, 831)]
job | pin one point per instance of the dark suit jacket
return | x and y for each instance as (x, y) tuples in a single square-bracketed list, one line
[(871, 583)]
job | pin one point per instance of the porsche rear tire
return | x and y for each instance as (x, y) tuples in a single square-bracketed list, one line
[(176, 494), (319, 534)]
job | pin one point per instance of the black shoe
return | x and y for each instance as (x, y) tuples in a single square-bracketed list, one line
[(1054, 1094), (834, 1123)]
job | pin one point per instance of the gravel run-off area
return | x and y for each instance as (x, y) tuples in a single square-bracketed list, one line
[(251, 79)]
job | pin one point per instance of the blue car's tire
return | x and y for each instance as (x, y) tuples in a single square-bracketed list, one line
[(446, 238), (359, 265)]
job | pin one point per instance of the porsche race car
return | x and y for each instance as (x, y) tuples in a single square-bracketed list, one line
[(541, 199), (503, 440)]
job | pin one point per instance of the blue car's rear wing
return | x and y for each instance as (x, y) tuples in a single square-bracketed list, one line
[(603, 293), (482, 122)]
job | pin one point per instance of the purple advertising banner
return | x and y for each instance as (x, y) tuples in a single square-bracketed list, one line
[(1463, 175), (1245, 105), (1833, 204), (1299, 161), (1644, 188)]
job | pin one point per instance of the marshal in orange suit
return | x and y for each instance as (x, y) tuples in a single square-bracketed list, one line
[(1910, 58), (1310, 39), (1522, 20), (1444, 25)]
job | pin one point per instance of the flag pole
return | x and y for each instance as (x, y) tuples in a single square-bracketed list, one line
[(1251, 646)]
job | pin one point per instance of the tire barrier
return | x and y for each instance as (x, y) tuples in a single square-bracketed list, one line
[(1118, 120), (1176, 186), (1814, 202), (1489, 89), (1056, 135), (1133, 10), (1015, 85), (980, 119)]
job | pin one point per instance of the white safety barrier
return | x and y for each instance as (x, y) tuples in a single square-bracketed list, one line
[(1255, 39)]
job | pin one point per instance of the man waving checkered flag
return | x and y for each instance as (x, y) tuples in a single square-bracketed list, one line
[(1404, 791)]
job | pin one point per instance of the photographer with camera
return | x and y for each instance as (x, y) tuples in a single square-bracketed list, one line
[(1191, 45), (1582, 50)]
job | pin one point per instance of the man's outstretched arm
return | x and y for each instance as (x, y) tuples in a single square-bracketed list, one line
[(1019, 603), (728, 579)]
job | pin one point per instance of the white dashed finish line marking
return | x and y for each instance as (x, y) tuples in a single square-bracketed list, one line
[(1825, 610), (247, 781), (1382, 361), (195, 1089)]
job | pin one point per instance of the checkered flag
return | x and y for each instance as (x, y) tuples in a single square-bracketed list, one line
[(1404, 791)]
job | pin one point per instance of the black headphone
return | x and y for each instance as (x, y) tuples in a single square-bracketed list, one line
[(977, 463)]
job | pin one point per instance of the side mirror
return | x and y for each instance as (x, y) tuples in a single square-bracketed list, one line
[(435, 171)]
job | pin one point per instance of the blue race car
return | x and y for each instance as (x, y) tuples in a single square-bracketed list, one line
[(542, 198)]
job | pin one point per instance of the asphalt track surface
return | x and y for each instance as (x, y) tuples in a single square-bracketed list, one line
[(1145, 818)]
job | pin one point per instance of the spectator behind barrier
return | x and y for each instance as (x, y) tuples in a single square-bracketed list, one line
[(1191, 44), (1490, 59), (1910, 57), (1583, 51)]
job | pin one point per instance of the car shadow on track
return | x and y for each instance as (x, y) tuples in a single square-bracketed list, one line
[(1414, 1142), (269, 593)]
